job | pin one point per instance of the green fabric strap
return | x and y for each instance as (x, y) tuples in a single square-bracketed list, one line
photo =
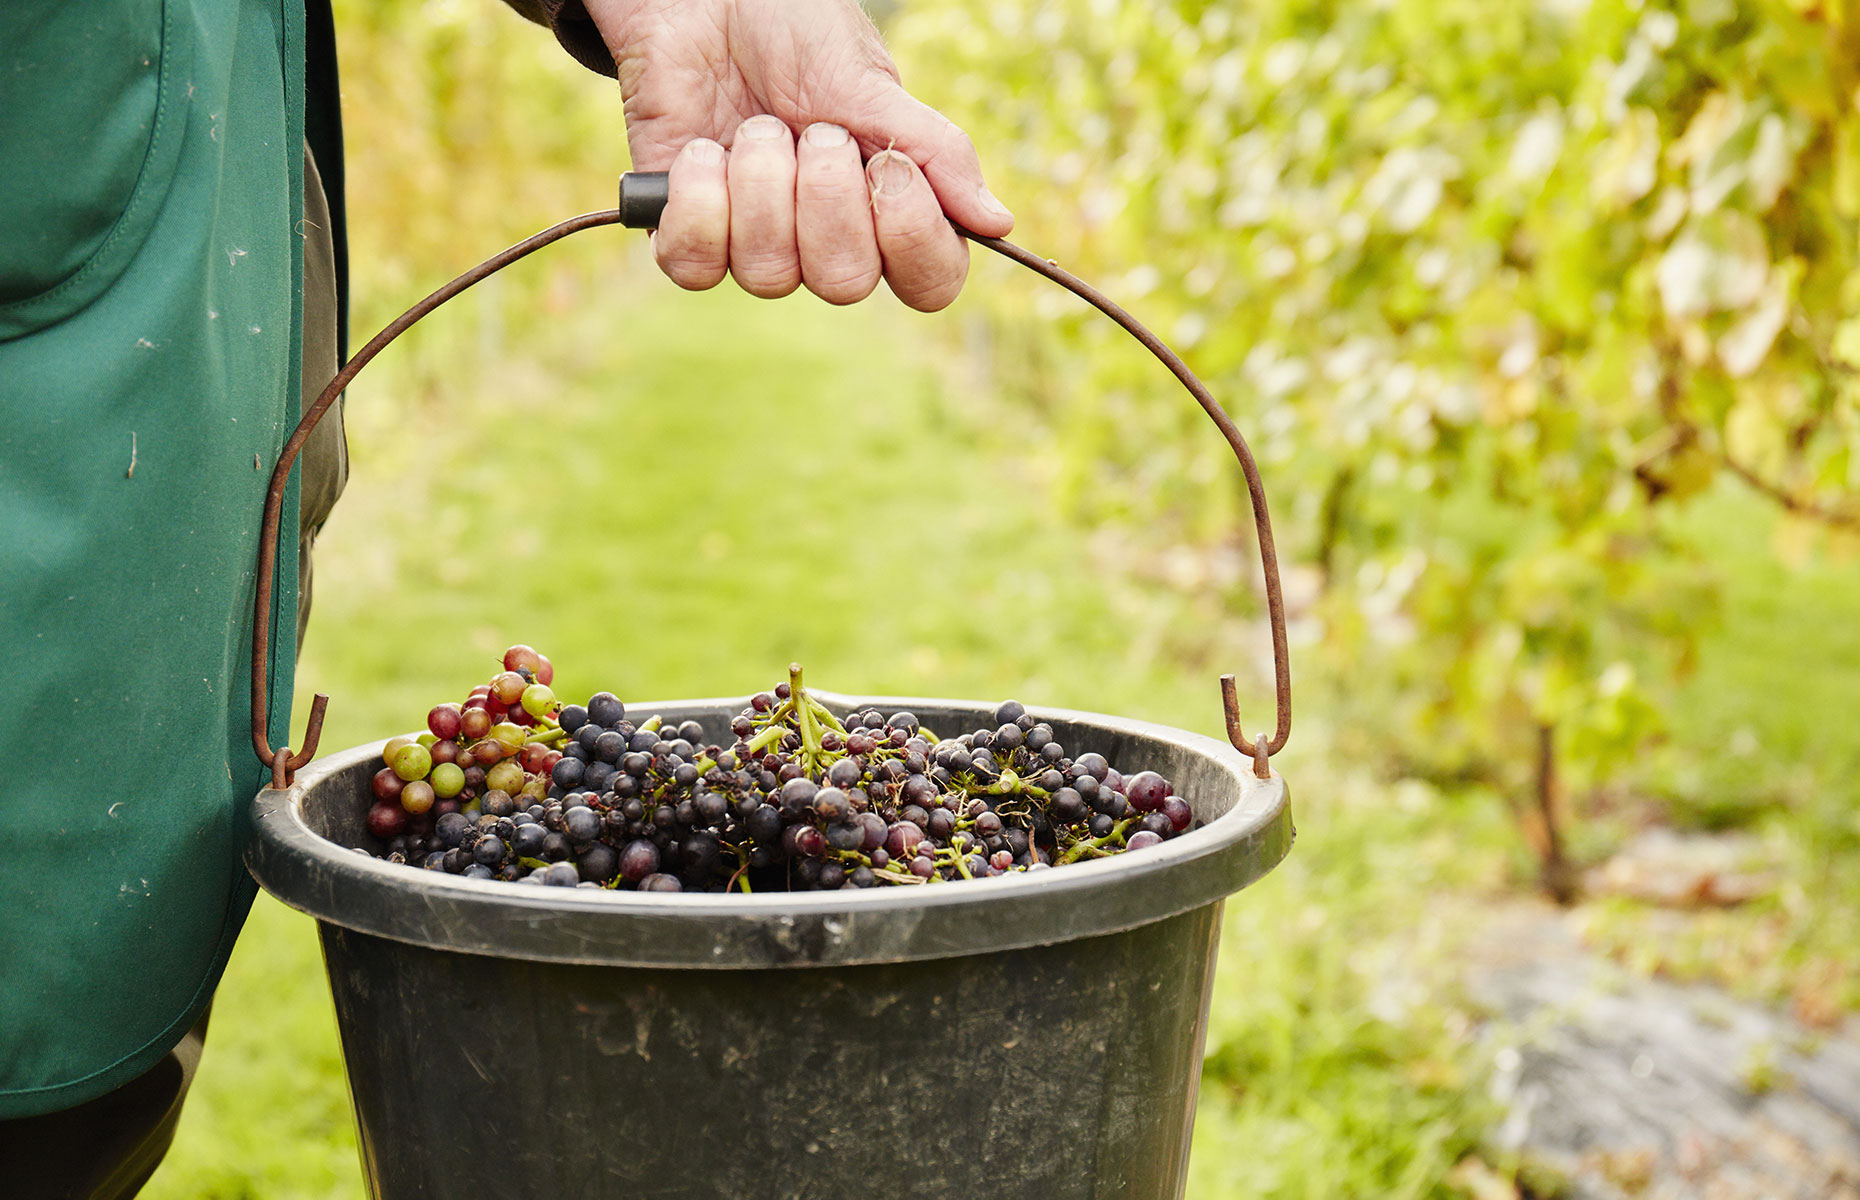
[(150, 283)]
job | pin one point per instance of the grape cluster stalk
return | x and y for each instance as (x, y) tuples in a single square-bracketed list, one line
[(511, 785)]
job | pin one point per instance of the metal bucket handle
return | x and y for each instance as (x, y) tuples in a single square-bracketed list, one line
[(642, 200)]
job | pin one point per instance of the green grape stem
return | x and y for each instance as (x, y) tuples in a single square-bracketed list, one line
[(1095, 847)]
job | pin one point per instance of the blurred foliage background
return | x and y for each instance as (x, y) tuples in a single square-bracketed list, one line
[(1539, 318), (1500, 295)]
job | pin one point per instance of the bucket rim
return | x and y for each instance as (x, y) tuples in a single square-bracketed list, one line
[(733, 930)]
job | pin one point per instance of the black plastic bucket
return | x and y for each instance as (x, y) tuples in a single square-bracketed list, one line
[(1034, 1035)]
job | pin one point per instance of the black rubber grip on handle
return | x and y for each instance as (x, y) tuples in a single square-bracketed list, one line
[(642, 198)]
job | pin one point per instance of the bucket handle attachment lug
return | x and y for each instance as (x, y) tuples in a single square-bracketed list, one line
[(642, 199)]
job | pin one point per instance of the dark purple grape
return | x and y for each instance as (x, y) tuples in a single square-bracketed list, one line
[(830, 804), (1146, 791), (528, 840), (609, 747), (1068, 807), (605, 709), (809, 842), (581, 823), (568, 773), (572, 718), (556, 847), (561, 875), (1180, 815), (764, 824), (832, 875), (845, 836), (661, 883), (597, 776), (903, 839), (489, 851), (1143, 838), (844, 773), (1009, 711), (450, 828), (702, 852), (599, 862), (638, 860), (797, 794)]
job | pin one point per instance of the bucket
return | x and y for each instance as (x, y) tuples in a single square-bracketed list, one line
[(1032, 1035)]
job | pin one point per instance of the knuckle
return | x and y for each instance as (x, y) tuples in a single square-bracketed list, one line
[(832, 190), (693, 266), (958, 141), (913, 233), (843, 282), (765, 286), (934, 287), (693, 277)]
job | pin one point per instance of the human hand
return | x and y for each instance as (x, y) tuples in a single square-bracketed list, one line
[(716, 91)]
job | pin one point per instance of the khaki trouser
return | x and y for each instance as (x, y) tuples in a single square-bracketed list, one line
[(107, 1149)]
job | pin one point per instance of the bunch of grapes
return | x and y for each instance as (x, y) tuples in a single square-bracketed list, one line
[(504, 738), (799, 800)]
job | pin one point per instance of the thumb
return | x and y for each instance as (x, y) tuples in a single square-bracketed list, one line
[(900, 122)]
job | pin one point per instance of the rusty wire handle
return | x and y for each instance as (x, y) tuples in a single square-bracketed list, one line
[(642, 200)]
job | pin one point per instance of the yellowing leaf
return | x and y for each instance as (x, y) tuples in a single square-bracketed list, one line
[(1629, 164), (1846, 348), (1753, 435), (1718, 262)]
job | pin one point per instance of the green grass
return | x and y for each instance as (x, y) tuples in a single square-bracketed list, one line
[(1766, 739)]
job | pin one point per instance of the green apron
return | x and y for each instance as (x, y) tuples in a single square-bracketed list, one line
[(151, 159)]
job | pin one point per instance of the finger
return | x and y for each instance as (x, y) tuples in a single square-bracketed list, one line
[(692, 244), (925, 260), (763, 257), (947, 157), (833, 217)]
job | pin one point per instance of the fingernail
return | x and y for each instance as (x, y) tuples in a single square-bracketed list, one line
[(705, 152), (892, 171), (761, 129), (825, 133), (989, 202)]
